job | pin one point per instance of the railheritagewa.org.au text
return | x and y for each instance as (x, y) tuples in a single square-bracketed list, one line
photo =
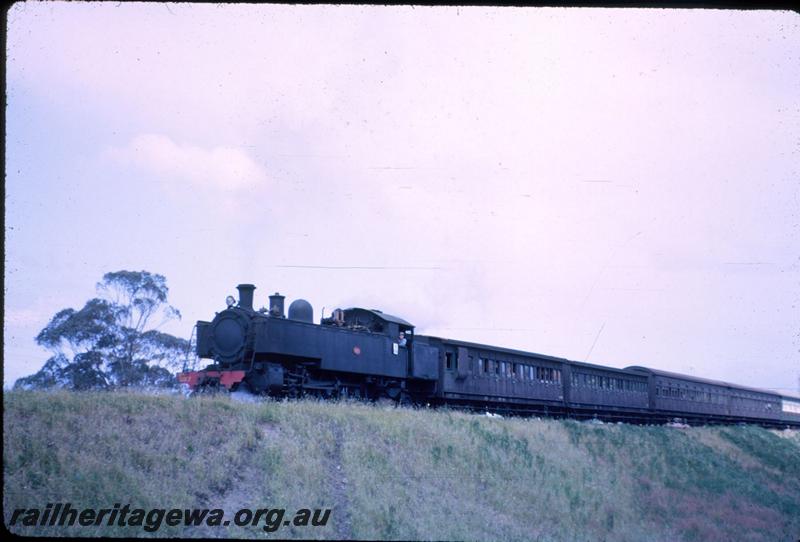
[(151, 520)]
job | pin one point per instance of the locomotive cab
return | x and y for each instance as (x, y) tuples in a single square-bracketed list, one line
[(373, 321), (397, 332)]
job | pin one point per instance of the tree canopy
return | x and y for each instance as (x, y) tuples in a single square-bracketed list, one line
[(114, 340)]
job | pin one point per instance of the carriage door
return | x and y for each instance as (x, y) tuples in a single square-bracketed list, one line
[(462, 365), (447, 367)]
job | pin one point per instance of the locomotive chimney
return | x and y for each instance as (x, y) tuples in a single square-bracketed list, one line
[(246, 296), (276, 305)]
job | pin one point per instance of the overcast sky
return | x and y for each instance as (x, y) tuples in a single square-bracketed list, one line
[(616, 186)]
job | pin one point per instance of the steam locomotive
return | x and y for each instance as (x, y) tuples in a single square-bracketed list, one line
[(366, 353)]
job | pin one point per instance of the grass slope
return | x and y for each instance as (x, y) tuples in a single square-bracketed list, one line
[(396, 473)]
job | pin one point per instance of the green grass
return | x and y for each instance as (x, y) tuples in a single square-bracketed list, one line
[(396, 473)]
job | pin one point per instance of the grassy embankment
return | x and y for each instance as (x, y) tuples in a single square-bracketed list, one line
[(396, 473)]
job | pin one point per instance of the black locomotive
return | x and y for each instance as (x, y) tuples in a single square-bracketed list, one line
[(368, 354)]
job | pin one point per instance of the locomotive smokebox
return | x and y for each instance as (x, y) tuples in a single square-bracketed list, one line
[(301, 310), (246, 296), (276, 305)]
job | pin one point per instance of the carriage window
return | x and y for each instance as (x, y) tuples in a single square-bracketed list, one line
[(448, 361), (480, 365)]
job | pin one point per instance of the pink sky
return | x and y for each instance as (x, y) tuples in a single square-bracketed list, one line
[(519, 177)]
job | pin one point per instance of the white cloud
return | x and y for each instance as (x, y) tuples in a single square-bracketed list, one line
[(229, 168)]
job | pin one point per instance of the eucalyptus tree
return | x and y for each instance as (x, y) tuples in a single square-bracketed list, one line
[(114, 340)]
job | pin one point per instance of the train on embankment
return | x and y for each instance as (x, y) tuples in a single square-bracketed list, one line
[(365, 353)]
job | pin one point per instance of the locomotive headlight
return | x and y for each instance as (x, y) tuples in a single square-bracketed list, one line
[(230, 301)]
